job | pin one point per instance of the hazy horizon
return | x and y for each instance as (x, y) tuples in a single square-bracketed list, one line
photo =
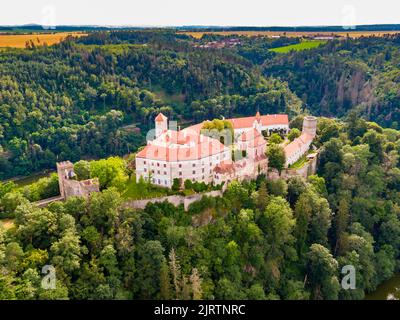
[(223, 13)]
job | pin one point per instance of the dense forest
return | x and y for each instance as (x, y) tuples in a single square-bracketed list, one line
[(361, 74), (81, 98), (94, 97), (74, 100), (262, 240)]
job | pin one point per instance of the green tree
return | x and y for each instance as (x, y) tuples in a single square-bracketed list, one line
[(293, 134), (322, 271), (275, 139), (151, 259), (276, 157)]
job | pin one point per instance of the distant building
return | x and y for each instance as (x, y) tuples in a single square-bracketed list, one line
[(69, 186)]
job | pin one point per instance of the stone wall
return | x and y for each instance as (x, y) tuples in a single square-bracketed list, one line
[(175, 200), (309, 168)]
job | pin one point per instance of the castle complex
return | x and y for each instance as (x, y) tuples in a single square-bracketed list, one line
[(198, 155), (195, 154)]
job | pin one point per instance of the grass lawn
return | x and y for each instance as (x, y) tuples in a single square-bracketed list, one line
[(7, 223), (134, 191), (299, 163), (304, 45)]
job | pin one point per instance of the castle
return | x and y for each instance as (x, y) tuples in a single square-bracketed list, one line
[(69, 186), (194, 154)]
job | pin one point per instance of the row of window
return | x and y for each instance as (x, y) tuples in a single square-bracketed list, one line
[(180, 172), (165, 182), (180, 165)]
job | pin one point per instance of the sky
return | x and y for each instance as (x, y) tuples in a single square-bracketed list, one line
[(200, 12)]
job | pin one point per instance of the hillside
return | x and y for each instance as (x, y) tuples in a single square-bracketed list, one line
[(70, 100), (360, 74), (263, 240)]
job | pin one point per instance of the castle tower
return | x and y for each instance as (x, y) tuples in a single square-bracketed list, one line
[(161, 122), (310, 125), (65, 171)]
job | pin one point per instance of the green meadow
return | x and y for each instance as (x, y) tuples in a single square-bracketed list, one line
[(304, 45)]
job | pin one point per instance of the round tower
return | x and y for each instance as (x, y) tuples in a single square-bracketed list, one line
[(310, 125)]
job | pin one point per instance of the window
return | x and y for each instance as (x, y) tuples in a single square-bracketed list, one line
[(194, 172), (165, 165), (158, 171), (165, 173), (194, 165), (203, 170), (144, 162), (159, 182), (180, 173), (166, 182), (145, 170), (203, 177), (180, 166)]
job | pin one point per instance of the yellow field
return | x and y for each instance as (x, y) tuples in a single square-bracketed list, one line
[(352, 34), (39, 39)]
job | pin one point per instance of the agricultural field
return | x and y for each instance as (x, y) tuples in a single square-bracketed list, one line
[(38, 39), (304, 45), (351, 34)]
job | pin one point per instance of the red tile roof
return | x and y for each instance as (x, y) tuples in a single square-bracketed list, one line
[(297, 143), (249, 135), (247, 122), (267, 120), (225, 167), (161, 118), (180, 146), (253, 137)]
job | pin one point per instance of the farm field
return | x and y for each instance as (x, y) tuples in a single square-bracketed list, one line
[(290, 34), (304, 45), (39, 39)]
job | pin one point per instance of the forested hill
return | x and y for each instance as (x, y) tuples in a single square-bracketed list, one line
[(74, 100), (361, 74), (264, 239), (70, 101)]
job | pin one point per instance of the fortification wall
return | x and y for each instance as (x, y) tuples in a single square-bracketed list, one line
[(175, 200), (309, 168)]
